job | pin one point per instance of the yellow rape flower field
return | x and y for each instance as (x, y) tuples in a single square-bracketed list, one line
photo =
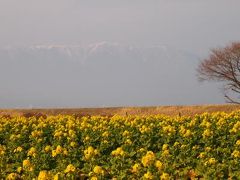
[(204, 146)]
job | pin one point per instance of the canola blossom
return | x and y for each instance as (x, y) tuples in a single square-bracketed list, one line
[(205, 146)]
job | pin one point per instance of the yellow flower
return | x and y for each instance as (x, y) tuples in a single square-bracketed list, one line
[(90, 152), (32, 152), (118, 152), (13, 176), (73, 144), (141, 150), (212, 161), (19, 169), (94, 178), (31, 168), (236, 127), (47, 148), (18, 149), (125, 133), (165, 176), (56, 176), (65, 152), (2, 150), (144, 129), (182, 129), (176, 143), (12, 137), (169, 130), (165, 147), (192, 174), (187, 133), (159, 165), (59, 149), (148, 175), (207, 149), (70, 168), (207, 133), (26, 163), (236, 154), (58, 134), (105, 134), (44, 175), (165, 152), (87, 138), (148, 158), (36, 134), (54, 153), (128, 141), (221, 122), (195, 147), (135, 168), (238, 142), (98, 170), (202, 155), (208, 124), (71, 133)]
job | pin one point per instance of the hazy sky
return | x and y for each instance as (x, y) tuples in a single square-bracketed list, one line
[(191, 25)]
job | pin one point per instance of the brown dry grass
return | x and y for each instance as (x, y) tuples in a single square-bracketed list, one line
[(167, 110)]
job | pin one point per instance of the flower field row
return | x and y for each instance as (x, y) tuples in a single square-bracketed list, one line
[(131, 147)]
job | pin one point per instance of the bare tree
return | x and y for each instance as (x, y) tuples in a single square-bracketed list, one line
[(223, 65)]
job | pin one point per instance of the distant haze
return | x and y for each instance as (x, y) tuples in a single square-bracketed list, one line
[(77, 53)]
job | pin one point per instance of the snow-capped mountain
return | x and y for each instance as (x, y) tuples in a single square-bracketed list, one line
[(110, 74), (82, 53)]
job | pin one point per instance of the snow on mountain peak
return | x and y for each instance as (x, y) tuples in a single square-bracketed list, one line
[(98, 50)]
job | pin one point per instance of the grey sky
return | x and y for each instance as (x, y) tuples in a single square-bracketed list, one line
[(193, 26)]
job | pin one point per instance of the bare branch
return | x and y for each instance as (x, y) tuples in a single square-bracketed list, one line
[(223, 64), (230, 100)]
